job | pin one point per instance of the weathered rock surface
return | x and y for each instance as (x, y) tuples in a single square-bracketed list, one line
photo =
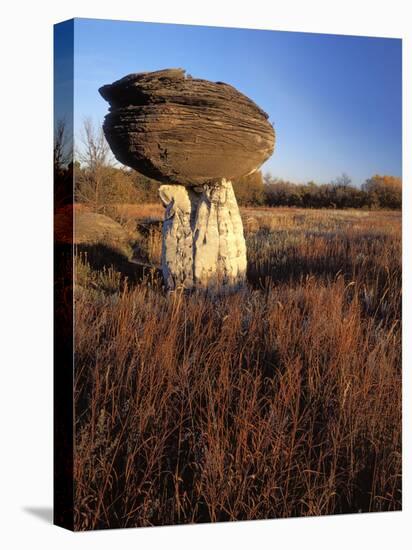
[(203, 242), (177, 235), (182, 130), (79, 225), (194, 136), (76, 224), (92, 228)]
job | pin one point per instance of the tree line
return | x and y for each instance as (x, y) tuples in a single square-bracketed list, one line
[(100, 182), (377, 192)]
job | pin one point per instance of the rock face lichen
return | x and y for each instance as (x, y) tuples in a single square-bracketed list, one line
[(194, 136)]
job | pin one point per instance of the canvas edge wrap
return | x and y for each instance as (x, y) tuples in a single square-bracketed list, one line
[(63, 357)]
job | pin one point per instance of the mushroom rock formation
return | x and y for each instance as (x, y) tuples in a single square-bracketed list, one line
[(194, 136)]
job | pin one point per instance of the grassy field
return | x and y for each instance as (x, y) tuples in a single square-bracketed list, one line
[(281, 400)]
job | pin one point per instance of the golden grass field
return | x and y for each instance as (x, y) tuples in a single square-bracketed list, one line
[(281, 400)]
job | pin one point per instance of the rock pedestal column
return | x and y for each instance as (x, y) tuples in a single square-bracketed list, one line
[(203, 243)]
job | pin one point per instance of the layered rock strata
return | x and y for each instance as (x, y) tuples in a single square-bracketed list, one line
[(177, 129)]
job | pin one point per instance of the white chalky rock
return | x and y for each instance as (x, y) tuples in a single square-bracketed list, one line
[(203, 243), (177, 235)]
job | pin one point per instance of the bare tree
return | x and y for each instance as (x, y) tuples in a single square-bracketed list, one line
[(63, 164), (267, 178), (342, 181), (95, 151), (61, 146), (94, 157)]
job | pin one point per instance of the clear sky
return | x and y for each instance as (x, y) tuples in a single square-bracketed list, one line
[(335, 101)]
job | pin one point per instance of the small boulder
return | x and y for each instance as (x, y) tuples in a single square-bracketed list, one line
[(77, 225)]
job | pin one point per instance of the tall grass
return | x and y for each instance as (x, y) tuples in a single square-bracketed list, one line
[(281, 400)]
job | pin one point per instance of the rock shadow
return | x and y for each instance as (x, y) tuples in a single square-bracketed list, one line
[(101, 256)]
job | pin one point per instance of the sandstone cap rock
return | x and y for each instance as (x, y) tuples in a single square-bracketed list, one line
[(178, 129)]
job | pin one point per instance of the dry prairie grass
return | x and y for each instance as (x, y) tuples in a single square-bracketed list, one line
[(281, 400), (143, 211)]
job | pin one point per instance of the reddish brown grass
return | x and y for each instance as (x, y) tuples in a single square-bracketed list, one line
[(281, 400), (140, 211)]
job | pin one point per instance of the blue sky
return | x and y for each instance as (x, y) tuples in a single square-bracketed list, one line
[(335, 101)]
